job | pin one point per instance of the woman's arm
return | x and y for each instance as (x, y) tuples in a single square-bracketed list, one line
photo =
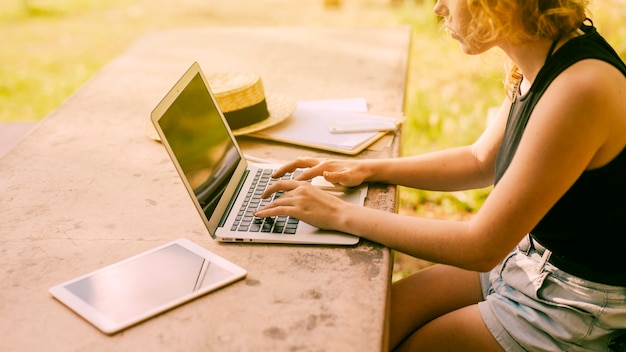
[(447, 170), (578, 124), (454, 169)]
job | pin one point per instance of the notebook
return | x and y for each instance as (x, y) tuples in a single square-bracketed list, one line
[(216, 174), (318, 127)]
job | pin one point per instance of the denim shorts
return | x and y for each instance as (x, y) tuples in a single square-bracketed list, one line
[(530, 305)]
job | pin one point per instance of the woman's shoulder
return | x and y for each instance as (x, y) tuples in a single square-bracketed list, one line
[(590, 45), (587, 66), (581, 64), (592, 86), (592, 76), (594, 90)]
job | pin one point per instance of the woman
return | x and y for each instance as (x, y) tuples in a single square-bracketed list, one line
[(539, 266)]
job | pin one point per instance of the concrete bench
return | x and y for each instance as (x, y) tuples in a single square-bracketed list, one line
[(87, 188), (11, 133)]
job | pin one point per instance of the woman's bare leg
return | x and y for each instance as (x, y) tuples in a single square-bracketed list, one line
[(436, 307)]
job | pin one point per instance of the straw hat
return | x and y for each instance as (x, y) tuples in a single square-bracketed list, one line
[(245, 106)]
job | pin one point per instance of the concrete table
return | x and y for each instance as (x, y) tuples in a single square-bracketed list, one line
[(87, 188)]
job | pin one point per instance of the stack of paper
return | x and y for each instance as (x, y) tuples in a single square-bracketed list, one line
[(313, 122)]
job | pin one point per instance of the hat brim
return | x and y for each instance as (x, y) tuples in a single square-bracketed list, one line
[(280, 107)]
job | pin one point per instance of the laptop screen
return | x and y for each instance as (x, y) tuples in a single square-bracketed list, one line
[(200, 142)]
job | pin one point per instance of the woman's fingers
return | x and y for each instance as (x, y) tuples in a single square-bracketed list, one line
[(285, 185), (299, 163)]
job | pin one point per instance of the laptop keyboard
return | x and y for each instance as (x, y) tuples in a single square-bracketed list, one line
[(247, 222)]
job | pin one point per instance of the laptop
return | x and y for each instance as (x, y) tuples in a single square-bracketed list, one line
[(217, 176)]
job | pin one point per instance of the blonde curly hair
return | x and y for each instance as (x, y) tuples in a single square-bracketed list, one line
[(523, 20)]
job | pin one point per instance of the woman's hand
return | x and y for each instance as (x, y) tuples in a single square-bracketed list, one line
[(347, 173), (305, 202)]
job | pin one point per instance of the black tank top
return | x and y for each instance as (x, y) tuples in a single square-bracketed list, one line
[(585, 228)]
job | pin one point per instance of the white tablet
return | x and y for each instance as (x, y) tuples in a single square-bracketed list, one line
[(135, 289)]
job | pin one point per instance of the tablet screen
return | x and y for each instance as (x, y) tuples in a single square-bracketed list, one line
[(147, 283)]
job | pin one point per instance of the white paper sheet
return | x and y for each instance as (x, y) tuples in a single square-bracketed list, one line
[(309, 123)]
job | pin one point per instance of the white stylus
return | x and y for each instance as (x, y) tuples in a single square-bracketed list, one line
[(365, 125)]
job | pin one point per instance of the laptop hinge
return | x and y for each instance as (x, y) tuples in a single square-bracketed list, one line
[(232, 200)]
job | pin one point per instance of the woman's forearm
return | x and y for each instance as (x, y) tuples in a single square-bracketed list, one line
[(447, 170)]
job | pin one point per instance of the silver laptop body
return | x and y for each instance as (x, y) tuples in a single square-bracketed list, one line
[(213, 169)]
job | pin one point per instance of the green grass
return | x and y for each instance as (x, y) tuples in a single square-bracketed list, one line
[(50, 49)]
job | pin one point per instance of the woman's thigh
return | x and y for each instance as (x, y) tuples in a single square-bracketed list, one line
[(460, 330), (428, 294)]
